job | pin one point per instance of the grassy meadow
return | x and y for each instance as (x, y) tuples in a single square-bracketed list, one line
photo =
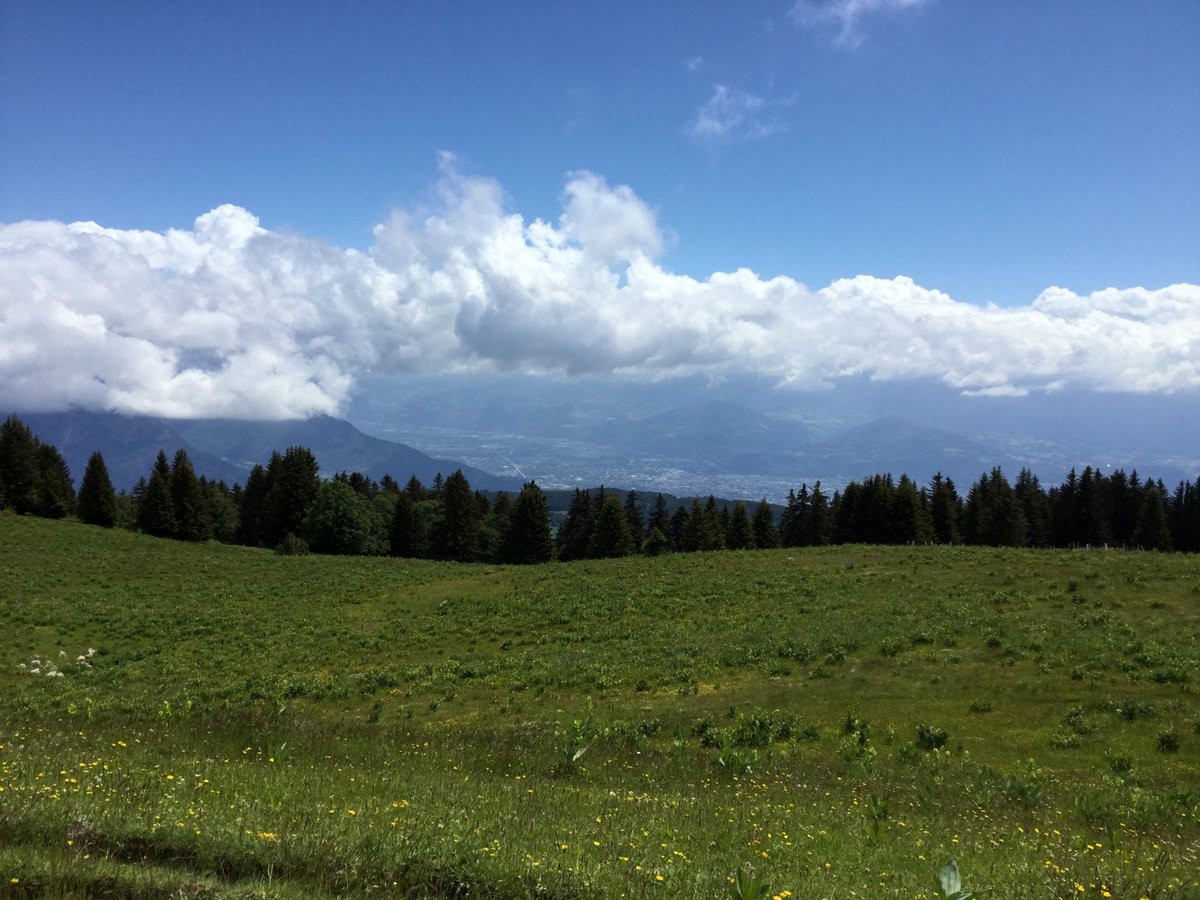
[(844, 720)]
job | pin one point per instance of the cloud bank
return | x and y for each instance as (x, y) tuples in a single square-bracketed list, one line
[(233, 319)]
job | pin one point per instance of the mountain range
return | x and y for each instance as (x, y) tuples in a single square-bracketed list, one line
[(226, 449)]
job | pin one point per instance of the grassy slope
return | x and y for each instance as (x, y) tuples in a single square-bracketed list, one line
[(242, 705)]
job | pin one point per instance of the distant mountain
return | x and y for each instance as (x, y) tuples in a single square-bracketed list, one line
[(901, 446), (227, 449), (743, 436)]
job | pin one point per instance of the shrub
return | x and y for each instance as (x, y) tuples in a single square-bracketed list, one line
[(292, 546), (930, 737), (1168, 741)]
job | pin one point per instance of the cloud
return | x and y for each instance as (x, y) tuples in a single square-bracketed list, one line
[(229, 318), (845, 15), (731, 115)]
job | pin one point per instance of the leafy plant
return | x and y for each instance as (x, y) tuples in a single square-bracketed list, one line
[(949, 883), (748, 885)]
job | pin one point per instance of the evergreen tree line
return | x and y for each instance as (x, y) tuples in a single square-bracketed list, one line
[(285, 505)]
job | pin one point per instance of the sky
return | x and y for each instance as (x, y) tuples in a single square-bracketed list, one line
[(286, 198)]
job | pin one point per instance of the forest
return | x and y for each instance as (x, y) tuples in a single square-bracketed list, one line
[(286, 505)]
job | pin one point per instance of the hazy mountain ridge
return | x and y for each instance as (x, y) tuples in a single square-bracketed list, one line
[(226, 449)]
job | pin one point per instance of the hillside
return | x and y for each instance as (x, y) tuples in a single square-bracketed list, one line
[(308, 726), (226, 449)]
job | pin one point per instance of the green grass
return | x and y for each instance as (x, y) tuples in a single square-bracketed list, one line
[(254, 725)]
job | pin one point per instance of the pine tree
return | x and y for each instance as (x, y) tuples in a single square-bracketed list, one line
[(660, 519), (191, 520), (56, 491), (740, 533), (409, 534), (156, 511), (1035, 507), (677, 536), (610, 535), (816, 525), (633, 514), (943, 510), (457, 535), (529, 539), (20, 471), (415, 489), (294, 486), (766, 535), (496, 522), (789, 521), (1152, 532), (252, 508), (576, 531), (97, 504)]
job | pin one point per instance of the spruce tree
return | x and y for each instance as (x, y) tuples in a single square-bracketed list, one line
[(97, 504), (610, 534), (815, 526), (633, 514), (156, 511), (659, 518), (1152, 532), (943, 510), (576, 530), (19, 468), (252, 508), (191, 519), (56, 491), (529, 539), (740, 533), (294, 486), (766, 535), (409, 535), (457, 534)]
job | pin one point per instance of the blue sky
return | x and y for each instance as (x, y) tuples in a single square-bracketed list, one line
[(293, 197), (987, 150)]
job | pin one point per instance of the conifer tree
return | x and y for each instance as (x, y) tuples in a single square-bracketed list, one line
[(660, 518), (56, 491), (97, 504), (633, 513), (191, 520), (740, 533), (815, 527), (677, 536), (496, 522), (20, 471), (943, 510), (529, 539), (766, 535), (252, 508), (409, 535), (576, 531), (294, 486), (610, 534), (156, 511), (457, 535), (415, 489), (1152, 532)]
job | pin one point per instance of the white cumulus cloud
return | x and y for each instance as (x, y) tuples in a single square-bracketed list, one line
[(229, 318)]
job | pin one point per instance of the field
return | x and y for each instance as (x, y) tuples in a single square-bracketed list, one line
[(843, 720)]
